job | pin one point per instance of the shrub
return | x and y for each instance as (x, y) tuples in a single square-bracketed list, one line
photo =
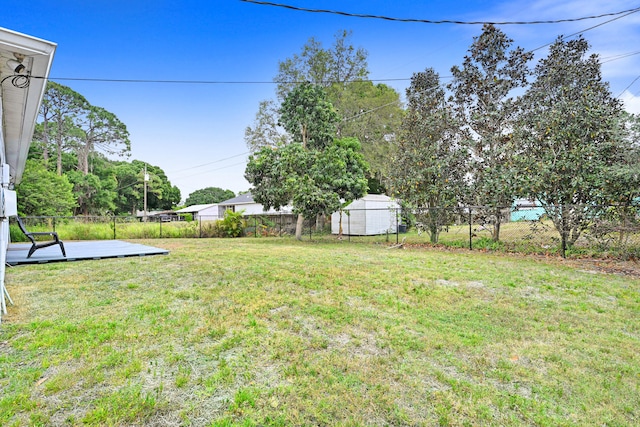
[(232, 225)]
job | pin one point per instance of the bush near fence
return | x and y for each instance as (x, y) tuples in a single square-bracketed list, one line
[(613, 232)]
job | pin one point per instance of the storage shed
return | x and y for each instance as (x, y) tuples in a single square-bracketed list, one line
[(373, 214)]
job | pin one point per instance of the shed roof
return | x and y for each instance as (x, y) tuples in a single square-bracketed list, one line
[(196, 208)]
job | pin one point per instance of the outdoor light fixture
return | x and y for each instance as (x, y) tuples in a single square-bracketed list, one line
[(16, 66)]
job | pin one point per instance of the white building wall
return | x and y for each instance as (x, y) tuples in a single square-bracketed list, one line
[(373, 214)]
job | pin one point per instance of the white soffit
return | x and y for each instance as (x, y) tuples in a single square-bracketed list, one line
[(20, 105)]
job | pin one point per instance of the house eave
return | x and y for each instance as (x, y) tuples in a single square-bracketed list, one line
[(20, 105)]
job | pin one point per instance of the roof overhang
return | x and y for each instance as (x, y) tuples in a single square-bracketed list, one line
[(20, 106)]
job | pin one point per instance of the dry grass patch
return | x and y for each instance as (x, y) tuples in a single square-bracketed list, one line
[(275, 332)]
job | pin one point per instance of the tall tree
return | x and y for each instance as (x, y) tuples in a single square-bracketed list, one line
[(429, 166), (372, 114), (308, 116), (483, 95), (266, 131), (209, 195), (59, 109), (569, 133), (101, 132), (323, 67)]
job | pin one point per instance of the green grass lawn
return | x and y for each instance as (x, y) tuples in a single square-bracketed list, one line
[(248, 332)]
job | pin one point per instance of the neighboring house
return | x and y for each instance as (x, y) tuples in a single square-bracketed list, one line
[(209, 212), (372, 214), (159, 216), (245, 202), (21, 57), (526, 210)]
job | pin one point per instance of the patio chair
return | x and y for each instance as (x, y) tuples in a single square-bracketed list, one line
[(36, 244)]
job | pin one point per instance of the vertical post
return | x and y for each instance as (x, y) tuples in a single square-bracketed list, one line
[(114, 227), (54, 224), (397, 226), (349, 225), (200, 224), (255, 229), (470, 230), (161, 228), (146, 179)]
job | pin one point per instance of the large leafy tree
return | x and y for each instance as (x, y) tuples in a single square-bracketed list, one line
[(314, 172), (209, 195), (483, 96), (429, 166), (339, 65), (130, 189), (308, 116), (266, 131), (372, 114), (44, 193), (570, 136), (95, 196)]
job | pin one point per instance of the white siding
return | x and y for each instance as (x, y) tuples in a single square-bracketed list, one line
[(371, 215)]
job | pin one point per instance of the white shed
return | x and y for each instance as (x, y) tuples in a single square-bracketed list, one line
[(373, 214)]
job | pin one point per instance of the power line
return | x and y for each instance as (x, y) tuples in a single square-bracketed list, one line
[(430, 21), (212, 170), (209, 82), (211, 163), (625, 13), (630, 84), (616, 57)]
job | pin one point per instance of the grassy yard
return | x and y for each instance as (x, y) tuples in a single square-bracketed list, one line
[(274, 332)]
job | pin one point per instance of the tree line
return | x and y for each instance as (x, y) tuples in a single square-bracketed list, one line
[(70, 168), (503, 128)]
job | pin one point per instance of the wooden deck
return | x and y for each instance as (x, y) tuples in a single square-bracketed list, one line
[(78, 251)]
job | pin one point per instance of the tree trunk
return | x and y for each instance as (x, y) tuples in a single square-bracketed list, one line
[(299, 225), (496, 226)]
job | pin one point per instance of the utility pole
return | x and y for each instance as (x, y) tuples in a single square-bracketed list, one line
[(146, 179)]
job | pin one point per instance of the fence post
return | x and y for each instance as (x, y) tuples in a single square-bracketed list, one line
[(397, 226), (255, 227), (54, 224), (470, 229), (114, 227), (200, 224), (349, 226), (161, 228)]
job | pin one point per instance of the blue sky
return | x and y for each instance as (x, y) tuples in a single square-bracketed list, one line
[(195, 132)]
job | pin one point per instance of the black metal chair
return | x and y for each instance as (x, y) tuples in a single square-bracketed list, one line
[(35, 244)]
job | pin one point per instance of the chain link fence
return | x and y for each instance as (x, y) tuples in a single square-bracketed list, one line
[(562, 230)]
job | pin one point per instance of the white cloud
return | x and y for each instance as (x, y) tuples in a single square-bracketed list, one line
[(631, 102)]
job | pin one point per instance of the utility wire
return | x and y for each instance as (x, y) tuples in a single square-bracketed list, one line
[(630, 84), (616, 57), (430, 21), (210, 82), (626, 13), (210, 163)]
